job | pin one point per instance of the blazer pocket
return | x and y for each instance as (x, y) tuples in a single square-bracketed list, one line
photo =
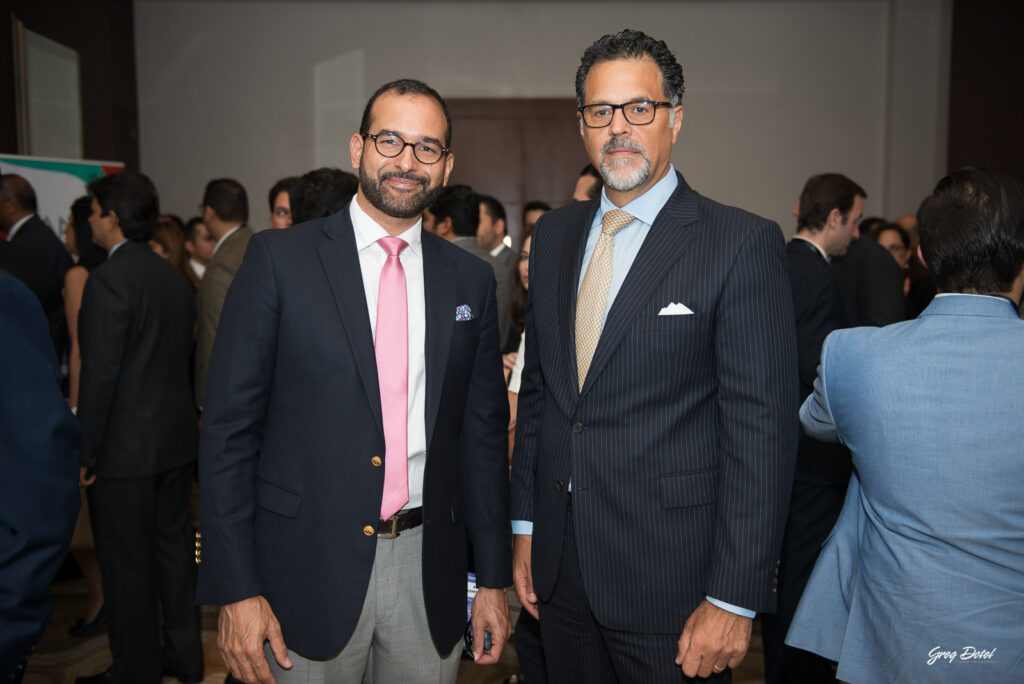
[(470, 327), (674, 323), (682, 490), (276, 499)]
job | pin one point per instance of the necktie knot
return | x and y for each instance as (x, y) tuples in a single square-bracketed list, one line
[(392, 245), (614, 221)]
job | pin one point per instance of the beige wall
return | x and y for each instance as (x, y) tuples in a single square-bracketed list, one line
[(775, 91)]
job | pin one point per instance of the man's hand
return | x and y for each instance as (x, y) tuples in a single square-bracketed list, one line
[(712, 640), (242, 629), (84, 478), (522, 572), (490, 614)]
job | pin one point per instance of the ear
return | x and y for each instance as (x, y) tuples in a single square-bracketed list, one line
[(449, 164), (835, 218), (444, 226), (579, 118), (355, 149), (499, 227), (920, 255), (677, 123)]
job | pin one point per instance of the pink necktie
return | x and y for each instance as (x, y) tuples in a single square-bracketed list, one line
[(392, 349)]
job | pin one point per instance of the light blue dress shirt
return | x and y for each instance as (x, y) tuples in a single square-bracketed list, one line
[(625, 246)]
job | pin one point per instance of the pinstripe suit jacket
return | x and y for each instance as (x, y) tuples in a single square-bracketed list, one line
[(681, 445)]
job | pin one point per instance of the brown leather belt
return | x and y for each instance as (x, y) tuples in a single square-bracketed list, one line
[(405, 520)]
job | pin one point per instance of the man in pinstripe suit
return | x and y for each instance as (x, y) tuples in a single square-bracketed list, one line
[(657, 427)]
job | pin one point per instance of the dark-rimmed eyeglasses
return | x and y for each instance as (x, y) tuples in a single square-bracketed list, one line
[(638, 112), (391, 145)]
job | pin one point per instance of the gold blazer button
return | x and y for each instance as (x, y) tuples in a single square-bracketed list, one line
[(369, 530)]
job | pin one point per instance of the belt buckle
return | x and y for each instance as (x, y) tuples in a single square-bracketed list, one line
[(393, 520)]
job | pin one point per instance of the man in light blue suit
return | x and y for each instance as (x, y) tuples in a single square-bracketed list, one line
[(922, 578)]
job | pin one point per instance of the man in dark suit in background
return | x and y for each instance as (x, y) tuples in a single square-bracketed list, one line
[(225, 211), (830, 208), (38, 440), (139, 438), (657, 418), (32, 269), (18, 219), (354, 433)]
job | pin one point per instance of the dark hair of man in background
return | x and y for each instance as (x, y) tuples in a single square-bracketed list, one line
[(493, 208), (132, 196), (629, 44), (462, 205), (972, 231), (321, 192), (283, 185), (822, 194), (17, 188), (878, 228), (533, 205), (228, 200), (408, 86), (90, 255), (190, 227)]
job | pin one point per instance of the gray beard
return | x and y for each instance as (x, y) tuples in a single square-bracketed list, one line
[(624, 179)]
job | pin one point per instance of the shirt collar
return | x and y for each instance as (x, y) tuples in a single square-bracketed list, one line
[(225, 236), (816, 246), (17, 225), (115, 248), (646, 207), (367, 231)]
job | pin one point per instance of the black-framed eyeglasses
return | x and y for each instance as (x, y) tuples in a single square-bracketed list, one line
[(391, 145), (638, 112)]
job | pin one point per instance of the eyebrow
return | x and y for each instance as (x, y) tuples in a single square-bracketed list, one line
[(403, 137), (641, 98)]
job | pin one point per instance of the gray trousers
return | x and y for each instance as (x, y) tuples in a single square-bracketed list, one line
[(391, 643)]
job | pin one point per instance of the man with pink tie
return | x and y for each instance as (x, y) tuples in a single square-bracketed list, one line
[(354, 431)]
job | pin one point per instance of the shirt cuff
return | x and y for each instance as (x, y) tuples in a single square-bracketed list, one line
[(522, 527), (735, 610)]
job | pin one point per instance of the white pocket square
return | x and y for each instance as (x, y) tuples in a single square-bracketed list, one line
[(676, 309)]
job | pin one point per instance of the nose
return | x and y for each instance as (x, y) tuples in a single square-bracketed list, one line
[(406, 159), (619, 124), (856, 232)]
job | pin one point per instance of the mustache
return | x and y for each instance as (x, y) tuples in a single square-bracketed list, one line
[(405, 175), (622, 143)]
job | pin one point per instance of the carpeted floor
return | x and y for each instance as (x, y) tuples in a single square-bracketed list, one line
[(60, 658)]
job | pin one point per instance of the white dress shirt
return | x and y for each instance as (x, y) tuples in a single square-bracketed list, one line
[(17, 226), (371, 260)]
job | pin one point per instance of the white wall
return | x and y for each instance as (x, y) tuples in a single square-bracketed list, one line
[(775, 91)]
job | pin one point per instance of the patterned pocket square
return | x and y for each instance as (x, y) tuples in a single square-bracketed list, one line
[(463, 313)]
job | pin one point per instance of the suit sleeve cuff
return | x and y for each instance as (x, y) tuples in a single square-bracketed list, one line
[(735, 610), (522, 527)]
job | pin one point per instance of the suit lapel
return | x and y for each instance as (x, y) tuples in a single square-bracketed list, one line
[(668, 238), (439, 289), (571, 263), (338, 255)]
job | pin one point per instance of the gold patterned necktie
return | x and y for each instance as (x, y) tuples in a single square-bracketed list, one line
[(593, 296)]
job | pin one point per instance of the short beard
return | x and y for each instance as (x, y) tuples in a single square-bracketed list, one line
[(624, 179), (404, 205)]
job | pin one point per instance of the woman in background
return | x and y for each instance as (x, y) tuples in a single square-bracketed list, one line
[(78, 240)]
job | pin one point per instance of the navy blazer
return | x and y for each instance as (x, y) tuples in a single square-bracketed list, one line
[(680, 446), (39, 489), (292, 419)]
